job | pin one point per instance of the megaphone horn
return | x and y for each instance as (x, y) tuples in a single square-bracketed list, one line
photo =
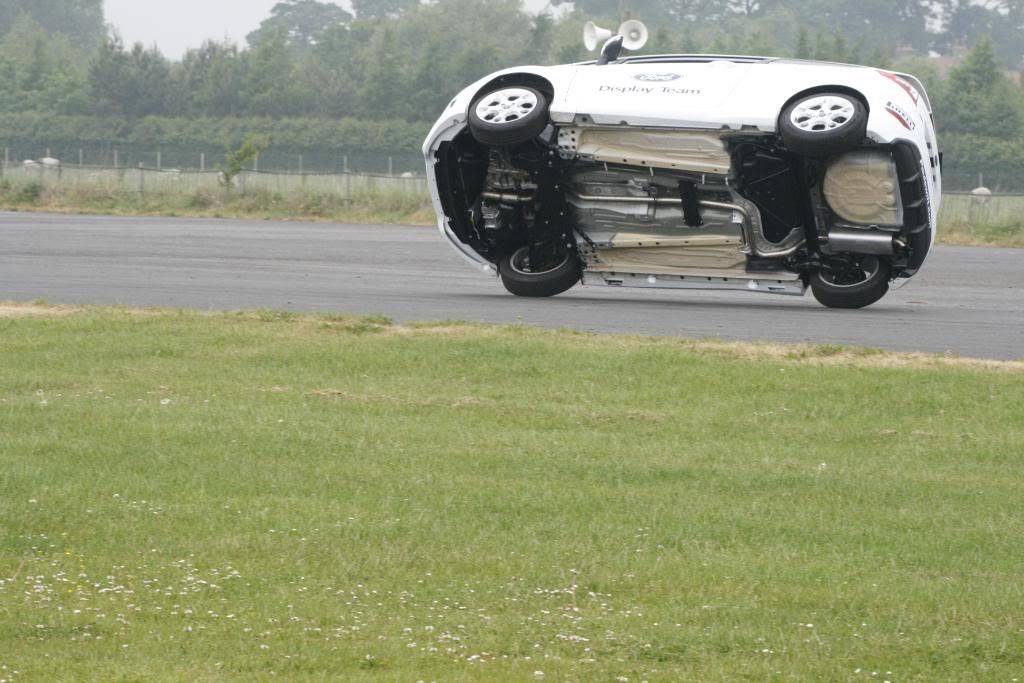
[(594, 34), (634, 34)]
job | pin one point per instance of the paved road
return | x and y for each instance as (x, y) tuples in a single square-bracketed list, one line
[(967, 302)]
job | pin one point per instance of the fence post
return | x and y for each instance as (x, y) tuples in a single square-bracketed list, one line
[(116, 165), (348, 181), (256, 163), (142, 180), (48, 155), (391, 166), (202, 161), (81, 159), (159, 160)]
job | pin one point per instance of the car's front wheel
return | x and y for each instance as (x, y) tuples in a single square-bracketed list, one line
[(508, 116), (536, 272), (855, 281)]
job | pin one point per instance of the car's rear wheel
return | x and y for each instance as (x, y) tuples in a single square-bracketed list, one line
[(539, 272), (508, 116), (854, 281), (824, 124)]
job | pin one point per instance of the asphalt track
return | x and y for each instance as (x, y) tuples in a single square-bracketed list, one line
[(967, 301)]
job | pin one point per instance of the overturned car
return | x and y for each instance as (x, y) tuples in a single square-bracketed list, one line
[(690, 172)]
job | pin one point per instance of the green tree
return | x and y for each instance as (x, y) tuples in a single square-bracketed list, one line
[(302, 23), (614, 11), (39, 70), (980, 99), (758, 44), (382, 86), (745, 7), (270, 83), (542, 35), (80, 20), (402, 55), (213, 75), (698, 12), (964, 21), (130, 84), (382, 9), (235, 159), (803, 44), (326, 74), (661, 41)]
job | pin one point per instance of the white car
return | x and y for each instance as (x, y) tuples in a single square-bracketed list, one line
[(690, 171)]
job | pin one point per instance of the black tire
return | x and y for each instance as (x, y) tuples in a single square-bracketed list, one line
[(824, 124), (559, 276), (510, 115), (836, 285)]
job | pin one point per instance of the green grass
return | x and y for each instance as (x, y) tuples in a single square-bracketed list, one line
[(273, 496), (982, 221), (1003, 234)]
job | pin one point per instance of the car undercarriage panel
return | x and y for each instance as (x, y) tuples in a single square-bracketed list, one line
[(863, 188), (697, 152)]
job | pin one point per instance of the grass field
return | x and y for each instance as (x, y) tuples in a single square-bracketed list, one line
[(336, 198), (261, 496), (982, 221)]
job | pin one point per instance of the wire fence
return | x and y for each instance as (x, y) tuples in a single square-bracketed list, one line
[(998, 176), (963, 208), (958, 175), (172, 157), (145, 181), (959, 208)]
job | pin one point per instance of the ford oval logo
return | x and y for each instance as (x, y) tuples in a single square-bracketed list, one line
[(658, 78)]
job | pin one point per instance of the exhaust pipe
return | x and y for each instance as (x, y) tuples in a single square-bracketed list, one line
[(861, 242)]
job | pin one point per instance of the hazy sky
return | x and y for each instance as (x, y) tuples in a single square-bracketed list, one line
[(176, 25)]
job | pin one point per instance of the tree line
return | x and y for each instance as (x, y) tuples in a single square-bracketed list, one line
[(401, 60)]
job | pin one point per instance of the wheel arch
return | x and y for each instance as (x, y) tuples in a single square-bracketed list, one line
[(834, 88), (529, 80)]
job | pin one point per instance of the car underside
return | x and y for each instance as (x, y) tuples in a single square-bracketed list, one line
[(815, 203)]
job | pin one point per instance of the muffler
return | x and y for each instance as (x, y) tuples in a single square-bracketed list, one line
[(861, 242)]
